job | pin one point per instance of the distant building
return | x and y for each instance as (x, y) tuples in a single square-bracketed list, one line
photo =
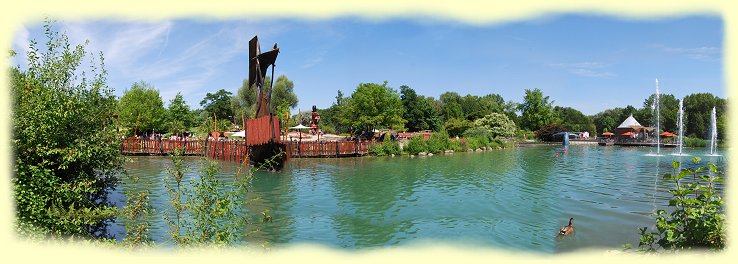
[(630, 128)]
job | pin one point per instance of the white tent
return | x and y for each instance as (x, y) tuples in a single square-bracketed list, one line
[(629, 122), (241, 133)]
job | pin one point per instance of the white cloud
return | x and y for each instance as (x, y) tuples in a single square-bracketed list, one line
[(586, 69), (21, 41), (704, 53)]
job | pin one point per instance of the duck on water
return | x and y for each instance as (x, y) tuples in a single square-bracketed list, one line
[(568, 229)]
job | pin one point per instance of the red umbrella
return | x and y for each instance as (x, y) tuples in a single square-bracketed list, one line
[(667, 134), (626, 134), (608, 134)]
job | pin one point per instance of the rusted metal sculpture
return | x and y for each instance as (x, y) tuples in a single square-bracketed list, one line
[(258, 65), (263, 133)]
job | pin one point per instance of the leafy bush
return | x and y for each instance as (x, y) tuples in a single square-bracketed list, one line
[(697, 217), (455, 127), (691, 142), (497, 124), (385, 148), (455, 145), (478, 132), (416, 145), (64, 140), (438, 142)]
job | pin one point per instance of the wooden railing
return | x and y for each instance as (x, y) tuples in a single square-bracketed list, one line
[(238, 150), (140, 146), (297, 149)]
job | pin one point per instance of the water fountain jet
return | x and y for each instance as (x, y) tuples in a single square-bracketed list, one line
[(713, 134), (680, 125)]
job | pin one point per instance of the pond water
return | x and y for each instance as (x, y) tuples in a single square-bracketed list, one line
[(515, 199)]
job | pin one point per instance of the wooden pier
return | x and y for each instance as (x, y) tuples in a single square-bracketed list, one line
[(238, 150), (327, 149)]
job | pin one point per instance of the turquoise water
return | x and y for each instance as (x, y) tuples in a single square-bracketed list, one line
[(513, 199)]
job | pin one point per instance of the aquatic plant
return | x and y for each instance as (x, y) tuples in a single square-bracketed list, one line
[(697, 212)]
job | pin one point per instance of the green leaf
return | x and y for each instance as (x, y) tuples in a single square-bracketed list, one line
[(675, 164)]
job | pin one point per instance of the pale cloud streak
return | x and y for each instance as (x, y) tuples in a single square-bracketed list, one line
[(586, 69), (704, 53)]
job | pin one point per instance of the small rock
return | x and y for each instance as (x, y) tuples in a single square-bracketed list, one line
[(422, 154), (393, 155), (479, 149), (430, 154), (412, 156)]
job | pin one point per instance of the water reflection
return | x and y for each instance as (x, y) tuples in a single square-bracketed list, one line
[(514, 198)]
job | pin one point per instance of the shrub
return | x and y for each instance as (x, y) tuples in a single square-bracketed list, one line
[(695, 142), (416, 145), (478, 132), (455, 127), (385, 148), (497, 124), (64, 140), (438, 142), (455, 145), (697, 217)]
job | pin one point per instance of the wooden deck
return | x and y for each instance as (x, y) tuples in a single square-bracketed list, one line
[(296, 149), (238, 150)]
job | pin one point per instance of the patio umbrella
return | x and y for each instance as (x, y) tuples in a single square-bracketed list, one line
[(608, 134), (299, 128), (667, 134), (626, 134)]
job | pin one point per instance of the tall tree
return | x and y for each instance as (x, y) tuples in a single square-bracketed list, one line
[(244, 101), (218, 103), (537, 110), (668, 109), (283, 96), (697, 111), (573, 120), (179, 116), (419, 113), (451, 105), (65, 142), (374, 106), (141, 108)]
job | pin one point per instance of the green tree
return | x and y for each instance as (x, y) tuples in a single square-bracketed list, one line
[(331, 117), (179, 116), (374, 106), (537, 110), (419, 113), (218, 103), (451, 105), (573, 120), (697, 112), (497, 124), (283, 96), (244, 102), (456, 126), (610, 119), (64, 140), (668, 109), (141, 108)]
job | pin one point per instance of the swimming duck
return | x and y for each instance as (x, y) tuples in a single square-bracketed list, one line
[(568, 229)]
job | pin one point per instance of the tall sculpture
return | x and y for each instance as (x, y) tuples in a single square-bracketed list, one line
[(258, 65), (266, 148)]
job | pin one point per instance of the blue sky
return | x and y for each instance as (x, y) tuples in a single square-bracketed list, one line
[(591, 63)]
